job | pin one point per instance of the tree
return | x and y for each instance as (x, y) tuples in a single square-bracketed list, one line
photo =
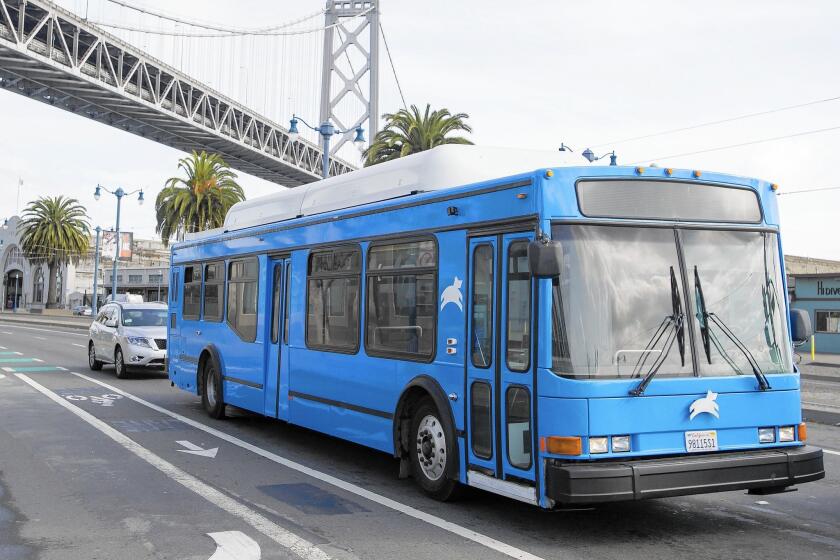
[(408, 132), (54, 230), (201, 200)]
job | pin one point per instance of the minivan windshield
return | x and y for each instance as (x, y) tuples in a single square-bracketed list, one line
[(144, 317), (629, 298)]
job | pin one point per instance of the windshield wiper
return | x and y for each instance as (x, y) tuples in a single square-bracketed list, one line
[(704, 317), (673, 325)]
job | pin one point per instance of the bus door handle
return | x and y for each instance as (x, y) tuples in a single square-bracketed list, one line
[(198, 332)]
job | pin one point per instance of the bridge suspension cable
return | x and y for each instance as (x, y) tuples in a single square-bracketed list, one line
[(203, 25), (276, 31)]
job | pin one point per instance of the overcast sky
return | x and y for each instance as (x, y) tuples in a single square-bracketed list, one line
[(530, 74)]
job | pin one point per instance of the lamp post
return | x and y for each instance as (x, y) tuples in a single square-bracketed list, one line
[(119, 193), (590, 156), (95, 303), (327, 131)]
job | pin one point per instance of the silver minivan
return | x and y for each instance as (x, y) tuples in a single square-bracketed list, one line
[(128, 335)]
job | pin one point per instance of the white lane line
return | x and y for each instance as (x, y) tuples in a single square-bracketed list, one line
[(281, 536), (9, 369), (39, 337), (6, 332), (831, 452), (46, 330), (469, 534), (79, 345)]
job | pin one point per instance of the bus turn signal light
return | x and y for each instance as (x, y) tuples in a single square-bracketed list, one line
[(803, 432), (562, 445)]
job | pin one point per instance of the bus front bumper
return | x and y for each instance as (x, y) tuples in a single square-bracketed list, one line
[(638, 479)]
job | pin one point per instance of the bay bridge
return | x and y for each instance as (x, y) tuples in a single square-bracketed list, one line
[(58, 57)]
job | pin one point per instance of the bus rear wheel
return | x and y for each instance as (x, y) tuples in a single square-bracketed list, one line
[(432, 448), (211, 391)]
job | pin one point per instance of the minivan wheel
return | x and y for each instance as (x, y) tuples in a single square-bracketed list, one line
[(119, 364), (94, 364), (211, 391), (432, 448)]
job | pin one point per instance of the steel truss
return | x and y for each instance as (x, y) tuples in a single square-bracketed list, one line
[(361, 16), (53, 56)]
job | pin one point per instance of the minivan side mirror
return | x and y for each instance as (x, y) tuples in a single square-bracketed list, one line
[(545, 258), (800, 323), (111, 323)]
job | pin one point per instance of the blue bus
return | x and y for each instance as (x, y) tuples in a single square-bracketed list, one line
[(554, 333)]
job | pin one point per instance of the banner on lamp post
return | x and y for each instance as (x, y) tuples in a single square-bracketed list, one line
[(109, 245)]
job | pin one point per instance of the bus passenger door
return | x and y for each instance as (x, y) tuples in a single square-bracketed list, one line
[(277, 375), (500, 365), (481, 360)]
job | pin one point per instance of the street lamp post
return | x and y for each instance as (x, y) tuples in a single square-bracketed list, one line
[(119, 193), (327, 131), (95, 303), (590, 156)]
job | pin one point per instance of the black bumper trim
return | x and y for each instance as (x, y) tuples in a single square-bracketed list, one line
[(598, 482)]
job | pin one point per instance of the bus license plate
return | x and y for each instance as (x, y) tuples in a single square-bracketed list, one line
[(698, 442)]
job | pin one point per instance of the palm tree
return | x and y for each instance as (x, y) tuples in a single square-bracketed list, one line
[(54, 230), (199, 201), (409, 131)]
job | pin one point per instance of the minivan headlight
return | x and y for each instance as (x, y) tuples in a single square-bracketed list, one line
[(138, 341)]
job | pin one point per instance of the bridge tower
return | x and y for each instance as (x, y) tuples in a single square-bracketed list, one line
[(352, 32)]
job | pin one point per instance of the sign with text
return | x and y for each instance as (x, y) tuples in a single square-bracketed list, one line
[(109, 245), (827, 287)]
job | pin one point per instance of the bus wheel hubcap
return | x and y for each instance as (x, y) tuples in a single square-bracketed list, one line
[(431, 447), (211, 388)]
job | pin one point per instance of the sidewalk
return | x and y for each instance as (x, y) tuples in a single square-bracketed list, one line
[(71, 322)]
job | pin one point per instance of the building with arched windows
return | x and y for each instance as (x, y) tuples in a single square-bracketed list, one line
[(26, 284)]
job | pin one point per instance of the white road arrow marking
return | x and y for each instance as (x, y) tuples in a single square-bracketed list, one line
[(235, 545), (193, 449)]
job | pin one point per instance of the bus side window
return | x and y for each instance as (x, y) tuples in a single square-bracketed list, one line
[(332, 317), (243, 287), (214, 278), (173, 290), (402, 300), (192, 291)]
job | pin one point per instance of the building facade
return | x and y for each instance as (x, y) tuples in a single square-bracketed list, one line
[(25, 283)]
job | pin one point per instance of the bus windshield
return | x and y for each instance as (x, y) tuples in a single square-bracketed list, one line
[(628, 300)]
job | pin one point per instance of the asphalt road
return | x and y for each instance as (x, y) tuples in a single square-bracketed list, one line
[(92, 467)]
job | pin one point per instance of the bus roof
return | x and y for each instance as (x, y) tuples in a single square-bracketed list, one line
[(440, 168)]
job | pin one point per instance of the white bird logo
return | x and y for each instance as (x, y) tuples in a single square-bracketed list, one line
[(452, 294), (705, 404)]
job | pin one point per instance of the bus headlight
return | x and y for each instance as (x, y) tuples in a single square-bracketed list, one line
[(620, 444), (787, 433), (597, 445), (767, 435)]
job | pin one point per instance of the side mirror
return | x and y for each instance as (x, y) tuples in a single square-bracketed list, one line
[(800, 323), (545, 258), (111, 323)]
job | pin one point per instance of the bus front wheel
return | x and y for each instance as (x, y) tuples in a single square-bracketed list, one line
[(431, 450), (211, 391)]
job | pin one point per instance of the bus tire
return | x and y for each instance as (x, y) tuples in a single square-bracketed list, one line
[(431, 448), (211, 390), (94, 364), (119, 364)]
